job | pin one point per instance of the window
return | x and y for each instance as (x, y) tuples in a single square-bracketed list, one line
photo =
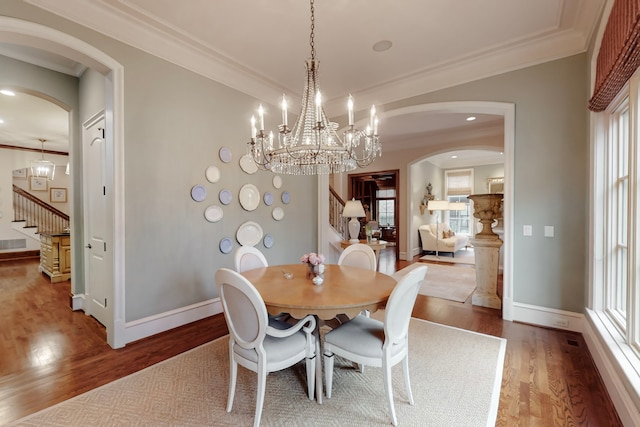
[(386, 200), (458, 185)]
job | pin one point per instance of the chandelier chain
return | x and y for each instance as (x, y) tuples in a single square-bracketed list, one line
[(312, 35)]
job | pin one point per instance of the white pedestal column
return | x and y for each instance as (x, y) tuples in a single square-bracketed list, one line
[(487, 253)]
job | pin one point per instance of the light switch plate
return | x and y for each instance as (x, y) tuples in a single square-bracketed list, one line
[(548, 231), (527, 230)]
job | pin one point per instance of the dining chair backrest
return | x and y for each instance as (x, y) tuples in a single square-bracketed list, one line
[(243, 308), (400, 305), (358, 255), (247, 258)]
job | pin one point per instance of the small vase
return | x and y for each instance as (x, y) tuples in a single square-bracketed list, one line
[(318, 269), (317, 280)]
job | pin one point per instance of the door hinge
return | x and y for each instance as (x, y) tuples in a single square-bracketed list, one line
[(101, 130), (105, 303), (104, 190), (105, 246)]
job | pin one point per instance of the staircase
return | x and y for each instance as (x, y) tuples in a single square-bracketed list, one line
[(32, 216)]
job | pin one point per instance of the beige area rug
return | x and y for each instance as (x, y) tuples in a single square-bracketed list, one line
[(452, 283), (455, 376), (463, 256)]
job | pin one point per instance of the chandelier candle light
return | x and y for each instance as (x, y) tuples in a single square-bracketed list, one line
[(43, 168), (312, 146)]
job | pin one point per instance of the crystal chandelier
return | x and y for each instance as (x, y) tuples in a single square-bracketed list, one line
[(312, 146), (43, 168)]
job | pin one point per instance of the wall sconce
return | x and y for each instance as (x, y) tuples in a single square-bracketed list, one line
[(426, 199)]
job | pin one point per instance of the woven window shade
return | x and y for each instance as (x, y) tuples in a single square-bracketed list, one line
[(459, 183), (619, 55)]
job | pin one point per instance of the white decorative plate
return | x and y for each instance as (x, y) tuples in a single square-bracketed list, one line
[(213, 174), (213, 213), (226, 245), (277, 181), (249, 197), (277, 214), (268, 241), (248, 165), (286, 197), (249, 233), (268, 198), (225, 154), (225, 196), (198, 193)]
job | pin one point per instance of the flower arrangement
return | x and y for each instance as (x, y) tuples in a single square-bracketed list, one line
[(312, 258)]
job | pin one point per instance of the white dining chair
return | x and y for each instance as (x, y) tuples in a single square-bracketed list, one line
[(247, 258), (370, 342), (255, 344), (358, 255)]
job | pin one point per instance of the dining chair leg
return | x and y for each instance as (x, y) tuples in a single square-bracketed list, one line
[(328, 373), (233, 373), (407, 381), (311, 376), (316, 334), (262, 382), (389, 391)]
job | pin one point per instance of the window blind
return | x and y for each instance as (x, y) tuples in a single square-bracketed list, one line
[(459, 182), (619, 55)]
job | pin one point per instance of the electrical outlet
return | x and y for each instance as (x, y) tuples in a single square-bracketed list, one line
[(527, 230), (561, 322), (548, 231)]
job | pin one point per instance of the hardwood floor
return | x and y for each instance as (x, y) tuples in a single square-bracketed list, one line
[(49, 353)]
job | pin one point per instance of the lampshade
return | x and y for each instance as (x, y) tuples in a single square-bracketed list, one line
[(457, 206), (353, 209), (438, 205)]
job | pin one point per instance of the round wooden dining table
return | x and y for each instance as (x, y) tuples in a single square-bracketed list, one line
[(345, 290)]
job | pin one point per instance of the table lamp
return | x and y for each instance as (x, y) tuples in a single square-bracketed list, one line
[(353, 209)]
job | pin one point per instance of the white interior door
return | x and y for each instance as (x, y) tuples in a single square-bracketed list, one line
[(97, 243)]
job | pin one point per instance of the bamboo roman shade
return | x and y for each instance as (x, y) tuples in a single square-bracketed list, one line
[(459, 182), (619, 55)]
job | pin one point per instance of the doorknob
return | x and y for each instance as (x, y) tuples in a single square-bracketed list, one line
[(88, 246)]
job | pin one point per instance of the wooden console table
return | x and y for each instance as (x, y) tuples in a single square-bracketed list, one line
[(55, 256)]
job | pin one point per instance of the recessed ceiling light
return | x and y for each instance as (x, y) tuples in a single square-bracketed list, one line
[(7, 92), (471, 118), (454, 157), (382, 45), (1, 121)]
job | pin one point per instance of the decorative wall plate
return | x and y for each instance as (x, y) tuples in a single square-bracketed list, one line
[(249, 233), (248, 165), (198, 193), (268, 198), (277, 181), (226, 245), (225, 196), (286, 197), (249, 197), (213, 174), (268, 241), (225, 154), (277, 214), (213, 213)]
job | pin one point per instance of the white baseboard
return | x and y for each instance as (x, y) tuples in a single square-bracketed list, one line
[(161, 322), (547, 317), (77, 302)]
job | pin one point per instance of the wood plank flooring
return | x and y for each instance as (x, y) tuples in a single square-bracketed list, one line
[(49, 353)]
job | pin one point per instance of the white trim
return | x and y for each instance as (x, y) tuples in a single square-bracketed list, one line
[(162, 322), (547, 317), (614, 369)]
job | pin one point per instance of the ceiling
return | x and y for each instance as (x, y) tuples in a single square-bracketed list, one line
[(259, 47)]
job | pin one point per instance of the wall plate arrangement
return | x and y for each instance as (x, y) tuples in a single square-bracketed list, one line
[(277, 213), (225, 196), (225, 154), (213, 213), (248, 165), (267, 241), (277, 181), (249, 233), (268, 198), (226, 245), (249, 197), (198, 193), (286, 197), (213, 174)]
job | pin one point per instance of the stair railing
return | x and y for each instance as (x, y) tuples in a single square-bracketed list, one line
[(36, 213), (337, 221)]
